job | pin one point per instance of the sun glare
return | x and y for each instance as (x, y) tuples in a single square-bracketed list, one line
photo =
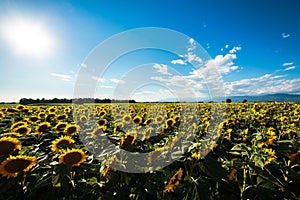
[(28, 38)]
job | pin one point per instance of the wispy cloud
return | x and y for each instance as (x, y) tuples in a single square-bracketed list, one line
[(63, 77), (83, 65), (285, 35), (161, 68), (287, 64), (290, 68), (118, 81)]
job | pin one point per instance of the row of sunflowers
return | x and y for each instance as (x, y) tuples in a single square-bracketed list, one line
[(212, 151)]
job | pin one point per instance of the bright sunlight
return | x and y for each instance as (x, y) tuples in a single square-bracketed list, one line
[(28, 37)]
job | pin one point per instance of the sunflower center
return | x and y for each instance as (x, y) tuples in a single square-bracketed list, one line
[(43, 128), (71, 130), (72, 158), (6, 147), (22, 130), (17, 165), (63, 143), (61, 127)]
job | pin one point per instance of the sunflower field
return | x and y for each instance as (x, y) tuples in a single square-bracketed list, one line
[(234, 151)]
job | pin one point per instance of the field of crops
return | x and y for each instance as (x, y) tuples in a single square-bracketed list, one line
[(236, 151)]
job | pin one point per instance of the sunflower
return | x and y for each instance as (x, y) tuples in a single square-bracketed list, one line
[(102, 113), (83, 119), (102, 122), (174, 181), (148, 121), (8, 145), (159, 119), (52, 109), (60, 127), (72, 156), (33, 119), (23, 130), (99, 131), (20, 107), (13, 165), (60, 143), (62, 117), (137, 120), (170, 122), (15, 125), (43, 127), (71, 129), (127, 119), (41, 115), (129, 138), (2, 115), (50, 117)]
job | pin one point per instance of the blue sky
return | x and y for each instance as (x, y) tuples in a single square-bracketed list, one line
[(254, 45)]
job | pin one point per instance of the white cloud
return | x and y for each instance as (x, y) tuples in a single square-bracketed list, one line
[(287, 64), (114, 80), (226, 46), (178, 61), (106, 86), (98, 79), (290, 68), (285, 35), (235, 49), (63, 77), (161, 68), (265, 84), (83, 65)]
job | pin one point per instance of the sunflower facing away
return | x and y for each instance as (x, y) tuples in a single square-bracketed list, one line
[(72, 156), (2, 115), (13, 165), (71, 129), (59, 144), (8, 145), (174, 181), (43, 127)]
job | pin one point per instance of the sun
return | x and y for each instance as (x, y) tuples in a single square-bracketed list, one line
[(28, 37)]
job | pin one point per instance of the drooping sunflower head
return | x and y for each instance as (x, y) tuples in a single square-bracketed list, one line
[(8, 145), (137, 120), (23, 130), (43, 127), (60, 127), (13, 165), (71, 129), (61, 143), (72, 156)]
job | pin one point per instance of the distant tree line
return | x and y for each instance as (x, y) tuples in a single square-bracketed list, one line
[(25, 101)]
